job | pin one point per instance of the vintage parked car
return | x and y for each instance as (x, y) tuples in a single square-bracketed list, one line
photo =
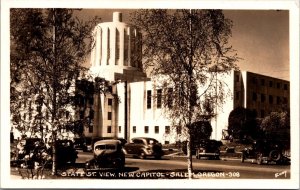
[(143, 147), (83, 143), (107, 154), (66, 152), (265, 151), (209, 149)]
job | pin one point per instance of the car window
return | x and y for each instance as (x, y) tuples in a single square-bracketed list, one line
[(106, 147), (137, 141)]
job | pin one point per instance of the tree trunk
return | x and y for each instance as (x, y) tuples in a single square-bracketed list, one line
[(54, 157), (189, 158)]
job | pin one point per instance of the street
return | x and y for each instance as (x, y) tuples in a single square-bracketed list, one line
[(176, 167)]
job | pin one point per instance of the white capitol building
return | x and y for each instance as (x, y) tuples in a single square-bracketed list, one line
[(116, 56)]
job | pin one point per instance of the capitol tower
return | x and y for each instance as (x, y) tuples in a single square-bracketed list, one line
[(117, 51), (116, 57)]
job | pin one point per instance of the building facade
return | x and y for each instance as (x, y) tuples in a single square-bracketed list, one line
[(131, 110)]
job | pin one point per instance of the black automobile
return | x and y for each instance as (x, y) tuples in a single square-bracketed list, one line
[(265, 151), (107, 154), (66, 152), (209, 149), (83, 143), (143, 147)]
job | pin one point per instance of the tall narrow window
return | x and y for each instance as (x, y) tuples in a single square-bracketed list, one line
[(146, 130), (159, 96), (134, 129), (126, 39), (109, 115), (117, 45), (108, 129), (109, 101), (132, 49), (148, 99), (108, 45), (156, 129), (120, 129), (167, 129)]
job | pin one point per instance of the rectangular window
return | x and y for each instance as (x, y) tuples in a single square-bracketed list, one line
[(134, 129), (156, 129), (109, 115), (117, 45), (254, 80), (167, 142), (170, 98), (148, 99), (159, 97), (278, 85), (278, 100), (262, 97), (285, 87), (126, 39), (120, 129), (108, 45), (262, 81), (285, 101), (167, 129), (270, 99), (108, 129), (270, 83), (109, 101), (146, 130)]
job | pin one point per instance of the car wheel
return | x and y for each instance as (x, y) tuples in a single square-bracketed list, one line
[(142, 155), (275, 155), (259, 159)]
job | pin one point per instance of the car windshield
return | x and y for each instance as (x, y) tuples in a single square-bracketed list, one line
[(106, 147)]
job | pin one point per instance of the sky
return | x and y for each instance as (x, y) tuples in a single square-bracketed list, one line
[(261, 38)]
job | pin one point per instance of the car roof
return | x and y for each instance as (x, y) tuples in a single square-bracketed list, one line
[(108, 141)]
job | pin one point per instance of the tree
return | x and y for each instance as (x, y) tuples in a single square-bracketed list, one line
[(189, 51), (200, 130), (242, 124), (277, 126), (48, 47)]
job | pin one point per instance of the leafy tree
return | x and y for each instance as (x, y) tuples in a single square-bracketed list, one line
[(200, 130), (242, 124), (189, 51), (48, 47), (277, 126)]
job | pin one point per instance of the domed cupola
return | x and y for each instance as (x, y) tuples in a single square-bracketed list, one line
[(116, 50)]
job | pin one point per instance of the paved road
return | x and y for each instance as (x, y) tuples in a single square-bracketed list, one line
[(175, 167)]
